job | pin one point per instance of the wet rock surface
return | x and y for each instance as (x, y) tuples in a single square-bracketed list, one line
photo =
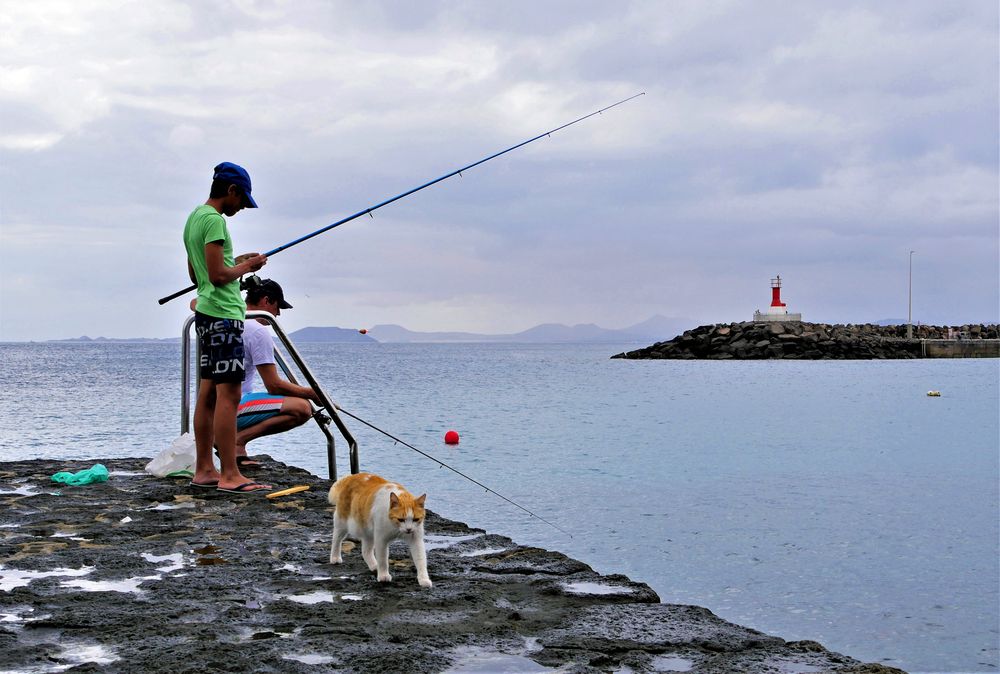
[(798, 340), (147, 574)]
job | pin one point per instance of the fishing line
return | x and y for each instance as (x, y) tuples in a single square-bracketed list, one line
[(454, 470), (368, 211)]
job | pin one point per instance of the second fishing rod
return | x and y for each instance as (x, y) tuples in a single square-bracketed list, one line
[(442, 464), (371, 209)]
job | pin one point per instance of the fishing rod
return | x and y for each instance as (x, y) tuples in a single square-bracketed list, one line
[(454, 470), (371, 209)]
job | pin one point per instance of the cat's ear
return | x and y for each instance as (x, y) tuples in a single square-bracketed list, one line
[(421, 499), (393, 499)]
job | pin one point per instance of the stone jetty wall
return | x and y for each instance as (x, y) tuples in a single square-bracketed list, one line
[(139, 574), (806, 341)]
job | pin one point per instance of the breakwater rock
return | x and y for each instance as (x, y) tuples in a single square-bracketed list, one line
[(151, 575), (804, 341)]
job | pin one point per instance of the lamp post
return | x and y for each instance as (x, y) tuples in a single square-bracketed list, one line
[(909, 317)]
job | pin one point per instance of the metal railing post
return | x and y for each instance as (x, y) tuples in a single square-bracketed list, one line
[(186, 374), (325, 400), (323, 424)]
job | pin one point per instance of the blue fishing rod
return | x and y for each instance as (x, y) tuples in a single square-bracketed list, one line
[(371, 209)]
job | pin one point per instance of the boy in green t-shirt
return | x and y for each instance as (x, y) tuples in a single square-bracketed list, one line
[(219, 314)]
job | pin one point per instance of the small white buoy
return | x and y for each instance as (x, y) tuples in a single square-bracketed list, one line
[(934, 394)]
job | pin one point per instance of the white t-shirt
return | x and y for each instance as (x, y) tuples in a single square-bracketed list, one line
[(258, 349)]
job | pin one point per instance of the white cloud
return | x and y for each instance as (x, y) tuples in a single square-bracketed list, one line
[(186, 135), (29, 142)]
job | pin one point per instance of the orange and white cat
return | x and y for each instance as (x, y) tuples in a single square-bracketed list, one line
[(376, 512)]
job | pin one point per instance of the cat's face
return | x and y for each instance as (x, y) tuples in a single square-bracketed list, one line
[(407, 513)]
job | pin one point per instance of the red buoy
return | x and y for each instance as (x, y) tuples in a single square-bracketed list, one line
[(451, 438), (363, 331)]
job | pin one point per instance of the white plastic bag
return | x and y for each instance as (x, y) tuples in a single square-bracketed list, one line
[(177, 460)]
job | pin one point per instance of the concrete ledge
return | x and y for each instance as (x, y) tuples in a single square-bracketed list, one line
[(151, 575), (961, 348)]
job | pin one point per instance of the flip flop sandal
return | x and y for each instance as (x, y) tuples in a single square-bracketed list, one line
[(205, 485), (245, 488), (242, 460)]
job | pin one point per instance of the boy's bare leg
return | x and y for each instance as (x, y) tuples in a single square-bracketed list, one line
[(204, 434), (226, 403)]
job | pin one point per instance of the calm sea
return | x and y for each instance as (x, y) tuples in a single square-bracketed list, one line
[(831, 501)]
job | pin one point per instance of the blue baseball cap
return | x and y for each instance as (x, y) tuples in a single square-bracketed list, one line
[(236, 175)]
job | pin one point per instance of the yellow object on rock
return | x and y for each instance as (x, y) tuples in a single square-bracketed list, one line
[(291, 490), (934, 394)]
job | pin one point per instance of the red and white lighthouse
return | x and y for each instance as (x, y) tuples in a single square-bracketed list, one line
[(778, 311), (777, 306)]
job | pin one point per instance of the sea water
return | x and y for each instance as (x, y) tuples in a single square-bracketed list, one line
[(824, 500)]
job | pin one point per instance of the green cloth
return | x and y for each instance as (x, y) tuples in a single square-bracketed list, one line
[(96, 473), (206, 225)]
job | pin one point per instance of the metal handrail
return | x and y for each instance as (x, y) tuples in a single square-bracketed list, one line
[(186, 374), (327, 404)]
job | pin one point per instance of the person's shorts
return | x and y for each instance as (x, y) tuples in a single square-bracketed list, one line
[(221, 343), (256, 407)]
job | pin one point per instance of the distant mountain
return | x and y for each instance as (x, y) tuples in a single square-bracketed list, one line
[(312, 334), (660, 328), (397, 333), (557, 332), (117, 340), (654, 329), (657, 328)]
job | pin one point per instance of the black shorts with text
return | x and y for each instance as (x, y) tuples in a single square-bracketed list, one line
[(220, 341)]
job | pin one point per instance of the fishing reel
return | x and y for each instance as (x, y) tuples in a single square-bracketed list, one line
[(250, 282)]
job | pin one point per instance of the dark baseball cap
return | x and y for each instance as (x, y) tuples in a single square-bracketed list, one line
[(269, 288), (236, 175)]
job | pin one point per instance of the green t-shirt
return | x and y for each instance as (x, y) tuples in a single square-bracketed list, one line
[(205, 225)]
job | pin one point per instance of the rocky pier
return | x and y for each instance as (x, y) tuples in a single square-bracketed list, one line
[(797, 340), (140, 574)]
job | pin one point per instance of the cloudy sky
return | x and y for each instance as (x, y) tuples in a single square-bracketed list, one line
[(820, 141)]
